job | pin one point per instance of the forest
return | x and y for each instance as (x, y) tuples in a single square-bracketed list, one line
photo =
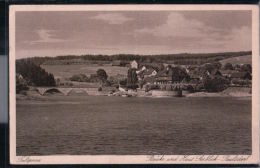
[(180, 59)]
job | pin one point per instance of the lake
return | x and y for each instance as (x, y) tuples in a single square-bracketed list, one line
[(94, 125)]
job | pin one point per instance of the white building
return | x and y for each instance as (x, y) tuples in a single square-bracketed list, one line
[(134, 64)]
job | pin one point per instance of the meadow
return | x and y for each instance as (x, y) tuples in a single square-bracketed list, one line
[(247, 59), (66, 71)]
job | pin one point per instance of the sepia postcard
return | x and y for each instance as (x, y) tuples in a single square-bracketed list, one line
[(134, 84)]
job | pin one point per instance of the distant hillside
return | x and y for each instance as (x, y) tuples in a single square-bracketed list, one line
[(247, 59), (181, 59)]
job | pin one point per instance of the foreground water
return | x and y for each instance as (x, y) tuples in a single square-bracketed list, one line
[(81, 125)]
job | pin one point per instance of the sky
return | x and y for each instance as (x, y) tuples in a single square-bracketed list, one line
[(42, 33)]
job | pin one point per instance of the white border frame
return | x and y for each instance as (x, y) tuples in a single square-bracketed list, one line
[(135, 159)]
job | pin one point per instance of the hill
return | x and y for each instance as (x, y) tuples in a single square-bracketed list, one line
[(246, 59), (180, 59)]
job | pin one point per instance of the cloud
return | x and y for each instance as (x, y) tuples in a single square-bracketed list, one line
[(197, 34), (176, 25), (46, 36), (240, 38), (112, 18)]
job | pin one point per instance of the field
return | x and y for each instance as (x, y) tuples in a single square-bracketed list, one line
[(247, 59), (79, 125), (66, 71)]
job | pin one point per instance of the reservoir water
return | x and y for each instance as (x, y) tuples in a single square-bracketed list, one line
[(95, 125)]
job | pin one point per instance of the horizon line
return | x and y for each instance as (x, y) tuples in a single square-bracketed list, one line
[(143, 55)]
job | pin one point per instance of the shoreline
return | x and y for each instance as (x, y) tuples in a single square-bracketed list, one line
[(38, 97)]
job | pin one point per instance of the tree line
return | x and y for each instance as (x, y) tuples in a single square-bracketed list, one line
[(183, 58)]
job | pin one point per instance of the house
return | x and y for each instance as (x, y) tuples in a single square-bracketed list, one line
[(19, 77), (215, 72), (150, 80), (134, 64), (194, 76), (164, 76), (141, 69), (149, 73), (165, 64), (122, 89), (163, 80), (241, 75), (227, 73)]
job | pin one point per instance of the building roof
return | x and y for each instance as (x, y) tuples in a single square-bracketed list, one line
[(227, 71), (164, 73), (134, 61), (149, 79), (215, 72), (163, 78), (148, 71), (240, 75), (194, 76)]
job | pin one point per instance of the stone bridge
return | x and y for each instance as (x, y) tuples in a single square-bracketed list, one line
[(67, 91)]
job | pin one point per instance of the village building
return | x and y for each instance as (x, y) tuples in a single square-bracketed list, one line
[(122, 89), (149, 73), (163, 80), (19, 76), (164, 76), (215, 72), (241, 75), (150, 80), (134, 64), (195, 77), (143, 68), (227, 73)]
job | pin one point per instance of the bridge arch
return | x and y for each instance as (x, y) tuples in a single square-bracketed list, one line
[(67, 91), (77, 91), (52, 90)]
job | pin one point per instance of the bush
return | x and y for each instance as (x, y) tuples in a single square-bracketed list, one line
[(95, 79), (106, 83), (199, 87), (101, 73), (79, 78), (216, 84), (190, 88), (123, 82)]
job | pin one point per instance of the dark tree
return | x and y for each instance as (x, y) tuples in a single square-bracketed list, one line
[(247, 68), (21, 84), (179, 74), (101, 73), (228, 66), (34, 74), (79, 78), (207, 67), (216, 84), (132, 78), (217, 65)]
